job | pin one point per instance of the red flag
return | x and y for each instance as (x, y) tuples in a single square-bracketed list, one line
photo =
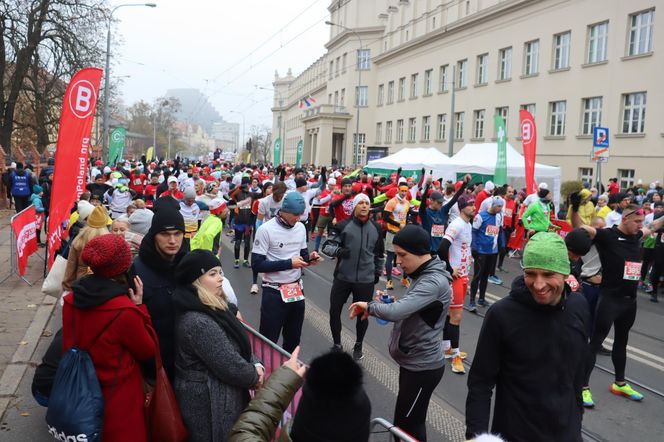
[(529, 137), (71, 155), (24, 226)]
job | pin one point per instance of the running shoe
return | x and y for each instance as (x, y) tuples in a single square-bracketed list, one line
[(449, 354), (627, 391), (649, 288), (457, 365), (357, 351), (389, 285), (405, 282), (246, 263), (587, 398), (604, 351), (493, 279), (337, 348), (500, 269), (236, 264), (254, 289), (396, 272), (472, 307)]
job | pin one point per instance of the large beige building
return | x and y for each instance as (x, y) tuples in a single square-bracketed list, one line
[(574, 64)]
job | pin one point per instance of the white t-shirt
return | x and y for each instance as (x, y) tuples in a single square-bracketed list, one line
[(308, 195), (460, 234), (613, 218), (268, 207), (278, 243), (531, 199)]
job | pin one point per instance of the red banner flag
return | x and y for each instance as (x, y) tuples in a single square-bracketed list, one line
[(71, 155), (24, 226), (529, 137)]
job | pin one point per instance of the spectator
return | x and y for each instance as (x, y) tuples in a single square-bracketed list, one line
[(21, 186), (36, 200)]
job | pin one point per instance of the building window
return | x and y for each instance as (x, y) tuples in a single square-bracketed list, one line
[(482, 69), (640, 32), (414, 80), (381, 92), (441, 126), (336, 98), (462, 74), (361, 95), (343, 63), (586, 174), (390, 92), (530, 107), (531, 57), (359, 149), (561, 50), (626, 178), (598, 37), (388, 132), (634, 113), (444, 80), (412, 129), (331, 70), (505, 64), (402, 89), (399, 131), (364, 59), (426, 128), (503, 112), (557, 111), (458, 131), (379, 133), (342, 97), (336, 67), (592, 115), (433, 23), (329, 98), (428, 82), (478, 123)]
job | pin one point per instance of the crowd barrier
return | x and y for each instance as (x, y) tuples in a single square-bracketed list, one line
[(391, 429)]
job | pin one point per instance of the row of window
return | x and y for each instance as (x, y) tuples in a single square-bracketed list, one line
[(640, 42), (625, 176), (363, 63), (633, 120)]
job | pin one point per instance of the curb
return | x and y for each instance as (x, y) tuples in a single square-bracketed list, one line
[(15, 370)]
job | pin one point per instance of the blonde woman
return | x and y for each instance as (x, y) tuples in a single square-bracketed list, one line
[(214, 365), (96, 225)]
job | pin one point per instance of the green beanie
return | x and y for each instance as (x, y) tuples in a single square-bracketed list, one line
[(547, 251)]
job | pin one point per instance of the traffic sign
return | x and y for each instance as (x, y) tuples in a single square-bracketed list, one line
[(601, 137)]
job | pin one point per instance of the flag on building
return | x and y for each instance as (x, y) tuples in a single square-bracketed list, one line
[(307, 101)]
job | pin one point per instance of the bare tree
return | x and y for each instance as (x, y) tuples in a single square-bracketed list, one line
[(261, 138)]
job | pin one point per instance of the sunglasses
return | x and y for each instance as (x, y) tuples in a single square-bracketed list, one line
[(637, 212)]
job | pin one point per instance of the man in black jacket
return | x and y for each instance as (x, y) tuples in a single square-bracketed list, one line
[(359, 248), (532, 349)]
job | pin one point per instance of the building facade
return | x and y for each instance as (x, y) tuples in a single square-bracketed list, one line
[(574, 64), (226, 135)]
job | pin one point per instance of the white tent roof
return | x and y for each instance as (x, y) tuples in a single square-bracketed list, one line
[(412, 158), (481, 158)]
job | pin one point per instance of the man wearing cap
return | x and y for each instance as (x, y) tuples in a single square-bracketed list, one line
[(358, 245), (617, 202), (537, 217), (173, 189), (418, 319), (537, 376), (395, 215), (342, 205), (485, 193), (280, 253), (208, 236), (190, 213), (436, 211), (308, 193)]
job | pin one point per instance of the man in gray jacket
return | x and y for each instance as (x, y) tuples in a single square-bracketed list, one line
[(358, 246), (416, 343)]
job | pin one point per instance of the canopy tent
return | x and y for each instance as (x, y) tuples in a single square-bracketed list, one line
[(411, 160)]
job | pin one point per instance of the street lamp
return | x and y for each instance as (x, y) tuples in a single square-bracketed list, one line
[(242, 115), (281, 120), (359, 84), (108, 69)]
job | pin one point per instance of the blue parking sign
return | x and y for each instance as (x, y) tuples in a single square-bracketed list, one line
[(601, 137)]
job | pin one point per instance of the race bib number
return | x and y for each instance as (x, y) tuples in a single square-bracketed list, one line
[(437, 230), (632, 271), (291, 292), (492, 230), (138, 182), (508, 212), (572, 283)]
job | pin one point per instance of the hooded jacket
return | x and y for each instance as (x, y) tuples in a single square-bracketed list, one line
[(534, 356), (416, 342), (366, 245), (95, 303)]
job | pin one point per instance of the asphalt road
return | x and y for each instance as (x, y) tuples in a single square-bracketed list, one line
[(612, 419)]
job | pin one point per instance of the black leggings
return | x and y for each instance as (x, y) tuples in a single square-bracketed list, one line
[(657, 267), (362, 291), (648, 260), (415, 390), (621, 313), (240, 237), (482, 268)]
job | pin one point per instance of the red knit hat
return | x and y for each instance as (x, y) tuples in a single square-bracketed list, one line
[(107, 255)]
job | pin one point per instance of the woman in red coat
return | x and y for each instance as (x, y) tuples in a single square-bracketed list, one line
[(103, 304)]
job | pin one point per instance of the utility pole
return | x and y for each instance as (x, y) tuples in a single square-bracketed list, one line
[(451, 131)]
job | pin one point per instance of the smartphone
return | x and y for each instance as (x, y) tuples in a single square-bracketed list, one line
[(313, 259)]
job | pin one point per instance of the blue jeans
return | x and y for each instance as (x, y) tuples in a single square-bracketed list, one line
[(278, 317)]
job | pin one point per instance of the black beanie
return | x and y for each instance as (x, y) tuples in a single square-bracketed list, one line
[(346, 181), (413, 239), (334, 405), (194, 264), (166, 202), (166, 219), (578, 242), (542, 193)]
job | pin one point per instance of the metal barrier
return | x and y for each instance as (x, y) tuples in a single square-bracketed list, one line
[(392, 429), (13, 262)]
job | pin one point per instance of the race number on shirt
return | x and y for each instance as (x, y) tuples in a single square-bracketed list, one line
[(572, 283), (492, 230), (291, 292), (632, 271), (437, 230)]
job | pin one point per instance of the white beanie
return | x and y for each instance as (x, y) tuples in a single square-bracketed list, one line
[(543, 185), (331, 182), (360, 197), (84, 209), (489, 186)]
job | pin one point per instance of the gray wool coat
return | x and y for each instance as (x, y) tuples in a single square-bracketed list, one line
[(212, 379)]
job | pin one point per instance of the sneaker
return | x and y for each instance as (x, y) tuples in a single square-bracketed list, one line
[(396, 272), (627, 391), (472, 307), (449, 354), (457, 365), (246, 263), (236, 264), (649, 288), (389, 285), (357, 351), (337, 348), (587, 398), (493, 279), (254, 289), (405, 282), (482, 302)]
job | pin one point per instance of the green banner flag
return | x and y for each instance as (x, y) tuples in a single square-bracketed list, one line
[(277, 151), (117, 144), (500, 174), (298, 158)]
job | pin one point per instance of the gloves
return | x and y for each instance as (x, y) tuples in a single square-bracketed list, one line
[(399, 171), (575, 201), (376, 279), (343, 252)]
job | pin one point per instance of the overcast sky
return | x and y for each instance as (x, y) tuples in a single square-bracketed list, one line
[(222, 48)]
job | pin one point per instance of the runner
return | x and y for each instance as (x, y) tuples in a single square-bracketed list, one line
[(325, 218), (395, 215), (486, 231)]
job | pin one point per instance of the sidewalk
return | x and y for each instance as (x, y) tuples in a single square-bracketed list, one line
[(24, 312)]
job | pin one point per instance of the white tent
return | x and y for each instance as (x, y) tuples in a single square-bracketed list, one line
[(481, 159), (412, 159)]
